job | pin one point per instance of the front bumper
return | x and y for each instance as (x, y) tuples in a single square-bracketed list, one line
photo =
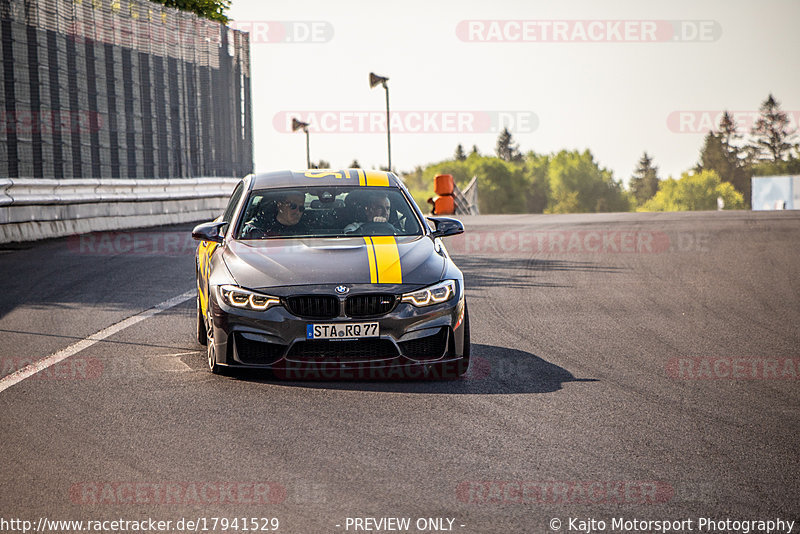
[(414, 342)]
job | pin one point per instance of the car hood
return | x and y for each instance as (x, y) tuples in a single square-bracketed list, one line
[(267, 263)]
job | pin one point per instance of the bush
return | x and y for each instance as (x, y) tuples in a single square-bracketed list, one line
[(694, 192)]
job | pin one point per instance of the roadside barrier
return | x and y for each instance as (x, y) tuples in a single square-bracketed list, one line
[(32, 209)]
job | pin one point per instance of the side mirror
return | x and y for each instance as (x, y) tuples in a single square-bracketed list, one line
[(209, 231), (445, 226)]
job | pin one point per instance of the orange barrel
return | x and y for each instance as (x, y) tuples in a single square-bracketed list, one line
[(444, 205), (443, 184)]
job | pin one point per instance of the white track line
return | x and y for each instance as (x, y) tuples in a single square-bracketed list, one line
[(33, 368)]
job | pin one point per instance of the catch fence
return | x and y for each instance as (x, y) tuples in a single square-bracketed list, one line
[(121, 89)]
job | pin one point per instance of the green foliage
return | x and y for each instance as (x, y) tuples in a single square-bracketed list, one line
[(561, 183), (694, 192), (579, 185), (210, 9), (537, 175), (460, 156), (768, 151), (771, 131), (504, 192), (720, 156), (644, 182), (776, 168), (506, 149), (321, 164)]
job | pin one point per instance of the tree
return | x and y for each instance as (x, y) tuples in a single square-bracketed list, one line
[(773, 139), (475, 150), (501, 185), (776, 168), (355, 165), (644, 182), (697, 191), (579, 185), (506, 149), (460, 156), (536, 173), (321, 164), (729, 134), (210, 9), (722, 154)]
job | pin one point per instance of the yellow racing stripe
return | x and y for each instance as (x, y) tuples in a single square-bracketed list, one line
[(373, 272), (377, 179), (362, 177), (387, 260)]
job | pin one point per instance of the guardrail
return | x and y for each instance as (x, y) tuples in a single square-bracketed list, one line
[(32, 209)]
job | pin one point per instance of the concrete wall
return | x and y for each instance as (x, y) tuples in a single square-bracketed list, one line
[(32, 209)]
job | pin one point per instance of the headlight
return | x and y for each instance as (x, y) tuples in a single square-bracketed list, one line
[(239, 297), (435, 294)]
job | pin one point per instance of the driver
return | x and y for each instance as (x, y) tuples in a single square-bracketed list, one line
[(377, 210), (287, 220)]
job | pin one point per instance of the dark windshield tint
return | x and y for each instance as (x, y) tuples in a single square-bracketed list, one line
[(328, 212)]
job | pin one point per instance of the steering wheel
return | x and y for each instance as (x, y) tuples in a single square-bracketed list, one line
[(377, 228)]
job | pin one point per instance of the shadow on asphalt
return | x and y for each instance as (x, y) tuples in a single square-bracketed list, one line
[(66, 275), (493, 370), (519, 273)]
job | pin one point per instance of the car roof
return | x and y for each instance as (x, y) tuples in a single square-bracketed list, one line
[(325, 177)]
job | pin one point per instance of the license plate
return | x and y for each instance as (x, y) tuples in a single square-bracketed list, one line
[(342, 331)]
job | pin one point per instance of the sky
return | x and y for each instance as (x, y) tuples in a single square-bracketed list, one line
[(615, 77)]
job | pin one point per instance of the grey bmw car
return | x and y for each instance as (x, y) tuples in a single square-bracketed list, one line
[(325, 274)]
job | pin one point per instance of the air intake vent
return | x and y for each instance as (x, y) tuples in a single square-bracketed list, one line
[(425, 348), (369, 305), (358, 350), (257, 352), (314, 306)]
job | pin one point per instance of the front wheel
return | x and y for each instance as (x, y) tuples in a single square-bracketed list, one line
[(213, 366), (211, 350)]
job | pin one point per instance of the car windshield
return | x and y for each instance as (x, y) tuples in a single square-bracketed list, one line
[(327, 212)]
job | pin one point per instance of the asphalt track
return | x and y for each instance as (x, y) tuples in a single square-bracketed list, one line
[(636, 366)]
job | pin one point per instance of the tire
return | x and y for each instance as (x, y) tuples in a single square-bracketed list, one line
[(202, 335), (211, 355), (211, 350)]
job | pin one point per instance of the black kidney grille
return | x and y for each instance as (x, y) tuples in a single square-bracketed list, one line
[(353, 350), (369, 305), (425, 348), (257, 352), (314, 306)]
